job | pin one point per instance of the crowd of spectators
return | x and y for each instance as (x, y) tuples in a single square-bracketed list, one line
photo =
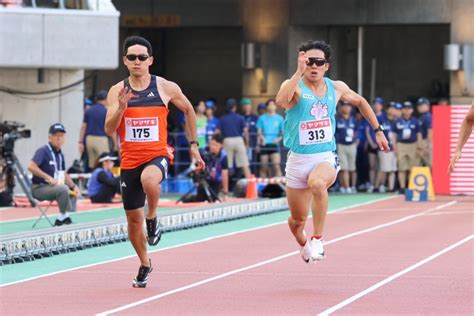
[(370, 169)]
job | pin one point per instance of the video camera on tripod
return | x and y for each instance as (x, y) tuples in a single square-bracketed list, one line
[(10, 131), (201, 181)]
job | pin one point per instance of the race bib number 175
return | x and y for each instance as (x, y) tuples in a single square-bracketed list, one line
[(315, 132), (143, 129)]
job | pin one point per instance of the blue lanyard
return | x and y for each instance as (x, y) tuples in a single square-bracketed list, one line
[(56, 166)]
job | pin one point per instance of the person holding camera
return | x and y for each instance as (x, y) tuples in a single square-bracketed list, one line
[(50, 181), (217, 167), (214, 178), (103, 185)]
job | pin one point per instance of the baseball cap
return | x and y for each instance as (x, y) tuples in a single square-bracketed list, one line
[(210, 104), (407, 104), (396, 105), (378, 100), (88, 101), (56, 128), (101, 95), (106, 156), (422, 101), (245, 101), (230, 103)]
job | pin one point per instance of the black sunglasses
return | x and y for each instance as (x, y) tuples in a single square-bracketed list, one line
[(318, 61), (141, 57)]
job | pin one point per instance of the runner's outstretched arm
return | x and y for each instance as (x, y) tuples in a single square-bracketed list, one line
[(286, 96), (117, 102), (182, 103), (364, 107)]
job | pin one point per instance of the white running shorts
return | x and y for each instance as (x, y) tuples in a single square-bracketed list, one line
[(299, 166)]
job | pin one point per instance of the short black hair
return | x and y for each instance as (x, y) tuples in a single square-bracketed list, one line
[(321, 45), (218, 138), (136, 40)]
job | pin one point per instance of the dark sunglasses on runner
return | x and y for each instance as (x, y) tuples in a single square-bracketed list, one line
[(314, 60), (141, 57)]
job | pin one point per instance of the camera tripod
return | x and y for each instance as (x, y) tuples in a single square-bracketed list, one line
[(12, 170), (201, 186)]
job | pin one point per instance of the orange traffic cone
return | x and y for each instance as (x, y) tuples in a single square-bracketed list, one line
[(251, 188)]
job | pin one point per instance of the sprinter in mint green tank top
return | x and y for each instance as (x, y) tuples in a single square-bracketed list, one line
[(310, 99), (313, 120)]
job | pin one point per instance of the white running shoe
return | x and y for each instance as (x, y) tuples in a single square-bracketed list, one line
[(382, 189), (305, 252), (317, 249), (370, 189)]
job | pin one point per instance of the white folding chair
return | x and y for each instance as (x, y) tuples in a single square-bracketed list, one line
[(43, 210)]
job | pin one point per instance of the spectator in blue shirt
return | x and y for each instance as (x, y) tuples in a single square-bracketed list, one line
[(50, 180), (233, 128), (92, 133), (406, 142), (346, 139), (212, 121), (425, 119), (372, 148), (397, 109), (103, 185), (251, 140), (270, 131), (387, 162)]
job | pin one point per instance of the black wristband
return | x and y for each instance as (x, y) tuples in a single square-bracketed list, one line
[(194, 142), (379, 129)]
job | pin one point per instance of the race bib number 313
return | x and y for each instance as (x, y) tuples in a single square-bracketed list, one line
[(144, 129), (315, 132)]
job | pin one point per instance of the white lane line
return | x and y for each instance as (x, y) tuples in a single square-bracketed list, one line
[(394, 276), (81, 212), (226, 274), (450, 213), (243, 231)]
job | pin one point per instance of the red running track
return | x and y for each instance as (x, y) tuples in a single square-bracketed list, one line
[(285, 286)]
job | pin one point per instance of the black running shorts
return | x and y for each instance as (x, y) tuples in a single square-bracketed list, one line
[(133, 195)]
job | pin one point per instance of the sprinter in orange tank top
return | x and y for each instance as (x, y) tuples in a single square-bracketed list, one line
[(138, 110)]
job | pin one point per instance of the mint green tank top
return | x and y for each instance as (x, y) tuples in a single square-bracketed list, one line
[(310, 125)]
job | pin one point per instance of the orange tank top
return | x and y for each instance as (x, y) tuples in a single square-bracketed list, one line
[(143, 130)]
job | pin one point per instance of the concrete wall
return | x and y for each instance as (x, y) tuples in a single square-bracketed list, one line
[(40, 111), (64, 39)]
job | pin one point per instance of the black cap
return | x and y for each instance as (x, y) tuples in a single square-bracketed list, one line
[(56, 128), (230, 103), (407, 104), (422, 101), (101, 95)]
